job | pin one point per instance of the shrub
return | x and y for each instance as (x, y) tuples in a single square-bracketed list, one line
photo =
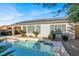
[(23, 33), (51, 35), (35, 33), (65, 37), (4, 33), (45, 38)]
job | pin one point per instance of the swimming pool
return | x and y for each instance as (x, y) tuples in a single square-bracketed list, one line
[(32, 48)]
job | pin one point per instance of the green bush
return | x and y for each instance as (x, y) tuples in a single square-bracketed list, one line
[(35, 33), (65, 37)]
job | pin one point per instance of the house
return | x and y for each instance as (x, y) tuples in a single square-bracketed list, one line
[(44, 26)]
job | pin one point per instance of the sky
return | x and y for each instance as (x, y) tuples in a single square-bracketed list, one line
[(11, 13)]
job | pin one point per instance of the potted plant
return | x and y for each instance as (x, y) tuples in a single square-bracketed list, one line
[(65, 37)]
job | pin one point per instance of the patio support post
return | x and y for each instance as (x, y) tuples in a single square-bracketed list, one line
[(13, 31), (21, 27)]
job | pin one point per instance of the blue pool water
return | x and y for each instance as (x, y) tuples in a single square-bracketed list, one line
[(32, 48)]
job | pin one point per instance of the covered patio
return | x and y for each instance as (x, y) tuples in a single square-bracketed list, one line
[(16, 29)]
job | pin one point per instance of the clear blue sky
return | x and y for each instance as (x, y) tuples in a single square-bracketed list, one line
[(12, 13)]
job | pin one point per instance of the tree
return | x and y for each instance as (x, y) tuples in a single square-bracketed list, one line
[(73, 12)]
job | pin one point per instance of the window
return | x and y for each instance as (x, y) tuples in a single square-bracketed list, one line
[(63, 28), (52, 27), (38, 28), (30, 29), (58, 28)]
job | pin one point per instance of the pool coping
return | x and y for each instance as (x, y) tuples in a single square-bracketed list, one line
[(58, 44), (63, 51)]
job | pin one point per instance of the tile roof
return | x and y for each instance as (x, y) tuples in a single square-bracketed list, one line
[(41, 20)]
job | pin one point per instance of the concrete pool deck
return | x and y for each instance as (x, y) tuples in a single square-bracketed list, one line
[(60, 48), (72, 47)]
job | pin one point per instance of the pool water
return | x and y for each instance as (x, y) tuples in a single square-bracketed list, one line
[(32, 48)]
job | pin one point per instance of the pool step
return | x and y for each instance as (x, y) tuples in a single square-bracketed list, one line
[(8, 51)]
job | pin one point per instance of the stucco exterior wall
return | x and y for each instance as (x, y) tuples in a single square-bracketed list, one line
[(45, 30), (70, 30)]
